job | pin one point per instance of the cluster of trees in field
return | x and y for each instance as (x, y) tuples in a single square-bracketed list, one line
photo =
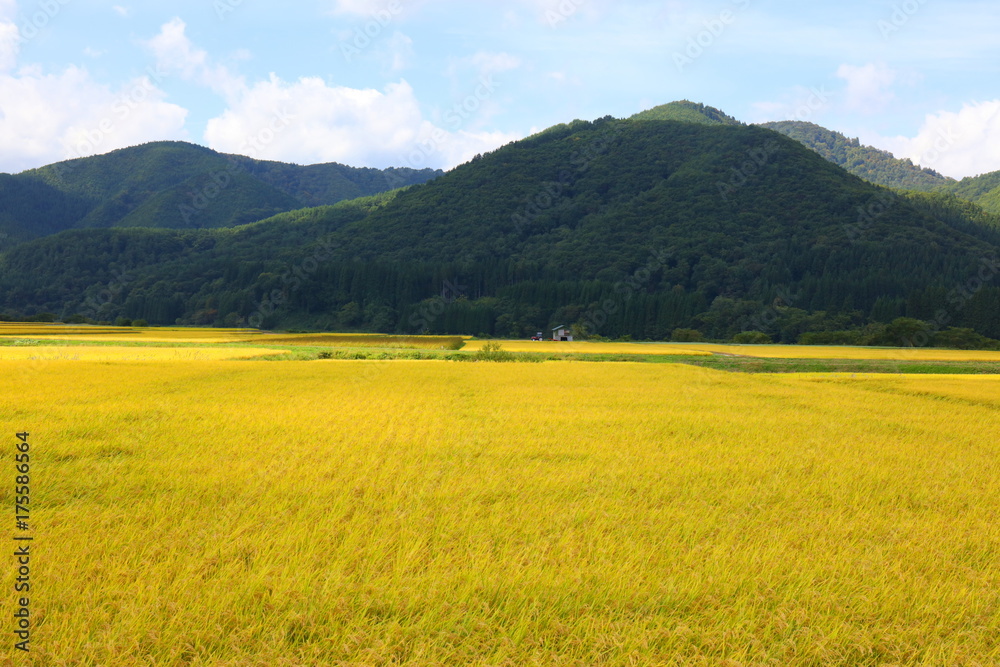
[(647, 229)]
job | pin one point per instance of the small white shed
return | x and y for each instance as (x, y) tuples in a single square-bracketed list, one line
[(562, 332)]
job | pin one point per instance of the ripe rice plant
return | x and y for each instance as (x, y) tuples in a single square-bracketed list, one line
[(420, 513)]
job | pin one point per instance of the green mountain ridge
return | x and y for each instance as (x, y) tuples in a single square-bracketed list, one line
[(685, 111), (620, 227), (882, 168), (983, 190), (872, 164), (176, 185)]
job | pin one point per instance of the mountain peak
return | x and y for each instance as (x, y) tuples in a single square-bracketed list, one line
[(685, 111)]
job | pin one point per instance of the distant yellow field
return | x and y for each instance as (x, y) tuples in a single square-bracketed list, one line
[(127, 334), (41, 328), (111, 353), (365, 340), (432, 513), (217, 336), (842, 352), (759, 351), (587, 347), (213, 336)]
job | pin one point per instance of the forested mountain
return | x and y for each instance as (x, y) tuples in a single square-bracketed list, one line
[(621, 227), (175, 185), (872, 164), (685, 111), (983, 190)]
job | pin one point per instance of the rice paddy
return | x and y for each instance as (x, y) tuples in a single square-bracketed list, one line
[(209, 510)]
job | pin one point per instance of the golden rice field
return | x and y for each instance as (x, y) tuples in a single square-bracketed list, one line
[(759, 351), (846, 352), (112, 353), (178, 335), (365, 340), (432, 513), (125, 334), (588, 347), (214, 336)]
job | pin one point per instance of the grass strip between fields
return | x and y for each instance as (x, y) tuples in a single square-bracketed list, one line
[(730, 363), (333, 347)]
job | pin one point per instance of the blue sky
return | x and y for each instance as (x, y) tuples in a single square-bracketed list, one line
[(433, 82)]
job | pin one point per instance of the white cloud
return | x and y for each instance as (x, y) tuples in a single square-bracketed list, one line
[(554, 12), (10, 35), (45, 118), (10, 38), (549, 12), (798, 103), (868, 86), (494, 63), (122, 11), (400, 52), (956, 144), (177, 54), (354, 7), (48, 117), (309, 122), (383, 11)]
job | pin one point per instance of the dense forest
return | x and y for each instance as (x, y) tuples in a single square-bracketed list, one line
[(881, 167), (983, 190), (872, 164), (685, 111), (642, 228), (176, 185)]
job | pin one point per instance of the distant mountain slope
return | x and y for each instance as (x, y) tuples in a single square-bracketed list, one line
[(687, 112), (176, 185), (26, 199), (872, 164), (325, 184), (622, 227), (983, 190)]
